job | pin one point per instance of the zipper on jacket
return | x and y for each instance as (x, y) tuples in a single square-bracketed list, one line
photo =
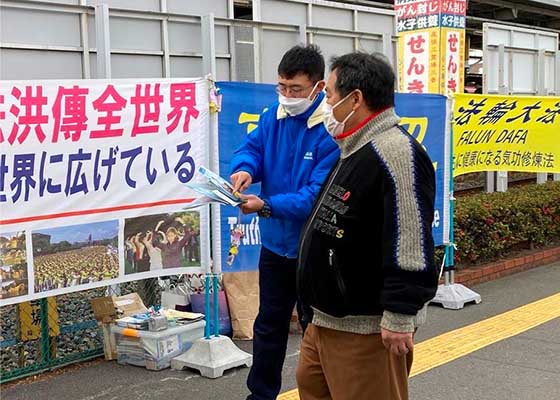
[(316, 209), (337, 274), (308, 314)]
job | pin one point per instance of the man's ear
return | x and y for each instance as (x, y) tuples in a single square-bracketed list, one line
[(320, 86), (358, 98)]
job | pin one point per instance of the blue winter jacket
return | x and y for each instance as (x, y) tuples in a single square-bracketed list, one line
[(290, 157)]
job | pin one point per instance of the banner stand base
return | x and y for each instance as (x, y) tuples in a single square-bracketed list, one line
[(211, 357), (454, 296)]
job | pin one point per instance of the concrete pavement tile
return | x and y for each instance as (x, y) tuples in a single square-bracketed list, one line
[(470, 378)]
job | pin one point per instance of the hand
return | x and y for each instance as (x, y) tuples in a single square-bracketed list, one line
[(253, 204), (396, 342), (241, 181)]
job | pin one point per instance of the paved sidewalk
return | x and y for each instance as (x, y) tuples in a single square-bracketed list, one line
[(525, 366)]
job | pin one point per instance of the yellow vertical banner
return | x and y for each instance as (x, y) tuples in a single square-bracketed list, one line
[(431, 45), (452, 61), (434, 60), (419, 61), (506, 133)]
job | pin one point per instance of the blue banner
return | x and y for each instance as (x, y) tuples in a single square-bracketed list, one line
[(242, 105), (423, 115)]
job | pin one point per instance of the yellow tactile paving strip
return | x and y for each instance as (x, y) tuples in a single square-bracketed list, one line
[(455, 344), (291, 395)]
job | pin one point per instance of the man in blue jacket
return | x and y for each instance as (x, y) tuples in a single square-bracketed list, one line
[(290, 154)]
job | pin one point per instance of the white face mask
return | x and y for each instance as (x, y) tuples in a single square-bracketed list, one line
[(333, 126), (295, 106)]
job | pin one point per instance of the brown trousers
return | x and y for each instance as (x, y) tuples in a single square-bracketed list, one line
[(335, 365)]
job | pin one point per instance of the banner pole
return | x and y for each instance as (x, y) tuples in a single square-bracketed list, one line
[(212, 355), (207, 305), (216, 305), (451, 295), (450, 256)]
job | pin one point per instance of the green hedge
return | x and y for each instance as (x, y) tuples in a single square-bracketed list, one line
[(490, 225)]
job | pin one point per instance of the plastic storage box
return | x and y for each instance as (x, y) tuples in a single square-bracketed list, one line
[(154, 350)]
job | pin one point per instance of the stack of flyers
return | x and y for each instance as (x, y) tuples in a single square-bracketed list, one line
[(216, 189), (183, 317), (138, 321)]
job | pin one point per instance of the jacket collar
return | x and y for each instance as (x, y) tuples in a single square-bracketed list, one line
[(314, 115), (365, 134)]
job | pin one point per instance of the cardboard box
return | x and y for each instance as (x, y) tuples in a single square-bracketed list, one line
[(129, 304), (109, 342), (107, 309), (104, 309)]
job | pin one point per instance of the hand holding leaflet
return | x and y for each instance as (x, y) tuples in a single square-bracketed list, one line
[(216, 189)]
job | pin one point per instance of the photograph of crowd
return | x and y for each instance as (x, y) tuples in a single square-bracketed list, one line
[(162, 241), (13, 265), (75, 255)]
